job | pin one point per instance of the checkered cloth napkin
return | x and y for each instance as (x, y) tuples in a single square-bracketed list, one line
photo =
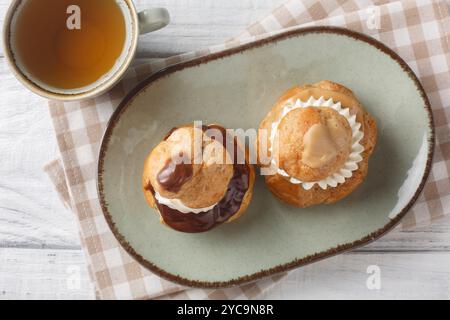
[(417, 30)]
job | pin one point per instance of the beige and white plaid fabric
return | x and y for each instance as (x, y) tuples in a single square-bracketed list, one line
[(417, 30)]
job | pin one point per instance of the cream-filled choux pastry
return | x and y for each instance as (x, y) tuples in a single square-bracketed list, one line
[(194, 181), (319, 139)]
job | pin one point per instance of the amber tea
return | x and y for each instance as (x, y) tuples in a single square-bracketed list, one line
[(68, 44)]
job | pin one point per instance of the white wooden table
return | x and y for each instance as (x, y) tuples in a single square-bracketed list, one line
[(39, 245)]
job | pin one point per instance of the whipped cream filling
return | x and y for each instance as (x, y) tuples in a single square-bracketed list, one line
[(354, 157), (178, 205)]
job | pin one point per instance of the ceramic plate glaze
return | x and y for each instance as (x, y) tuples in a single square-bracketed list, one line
[(236, 88)]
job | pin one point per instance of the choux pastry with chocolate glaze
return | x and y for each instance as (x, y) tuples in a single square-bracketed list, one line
[(195, 189), (319, 139)]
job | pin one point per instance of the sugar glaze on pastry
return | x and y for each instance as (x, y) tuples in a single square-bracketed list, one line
[(319, 131)]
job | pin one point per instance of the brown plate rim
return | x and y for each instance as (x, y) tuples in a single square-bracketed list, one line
[(297, 262)]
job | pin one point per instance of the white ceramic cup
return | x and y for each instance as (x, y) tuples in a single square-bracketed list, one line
[(135, 23)]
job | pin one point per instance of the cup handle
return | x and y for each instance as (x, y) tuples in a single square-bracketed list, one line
[(153, 19)]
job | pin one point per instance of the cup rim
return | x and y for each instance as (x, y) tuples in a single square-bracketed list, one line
[(90, 93)]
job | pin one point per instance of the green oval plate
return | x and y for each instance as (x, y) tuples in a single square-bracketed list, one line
[(237, 88)]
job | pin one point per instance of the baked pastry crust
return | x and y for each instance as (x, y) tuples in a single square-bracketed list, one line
[(198, 191), (295, 194), (302, 160), (148, 179)]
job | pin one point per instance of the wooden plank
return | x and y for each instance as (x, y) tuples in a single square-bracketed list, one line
[(31, 214), (201, 23), (435, 237), (47, 274), (402, 276), (44, 274)]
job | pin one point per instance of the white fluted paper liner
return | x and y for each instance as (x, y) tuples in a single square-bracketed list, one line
[(353, 159)]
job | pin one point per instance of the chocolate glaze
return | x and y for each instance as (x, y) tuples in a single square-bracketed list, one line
[(173, 175), (169, 133), (224, 210)]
